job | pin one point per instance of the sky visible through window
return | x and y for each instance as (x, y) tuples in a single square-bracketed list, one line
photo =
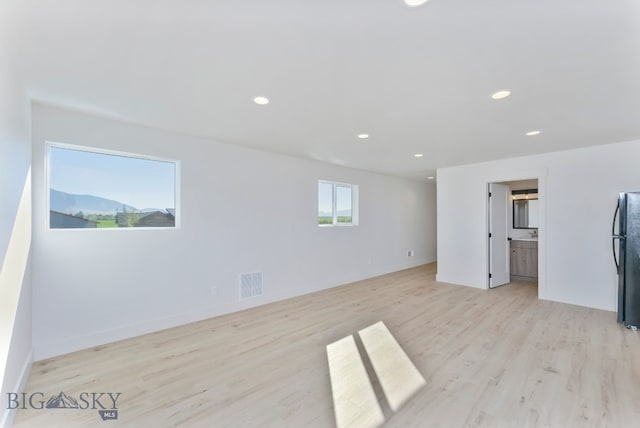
[(343, 195), (325, 200), (140, 183), (343, 200)]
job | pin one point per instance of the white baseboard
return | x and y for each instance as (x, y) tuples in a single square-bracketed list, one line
[(348, 279), (8, 416), (77, 343), (605, 307), (455, 281)]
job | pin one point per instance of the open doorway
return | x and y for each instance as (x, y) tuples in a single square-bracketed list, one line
[(514, 218)]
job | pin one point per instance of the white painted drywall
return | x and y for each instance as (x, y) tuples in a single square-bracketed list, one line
[(578, 191), (15, 149), (15, 288), (242, 210)]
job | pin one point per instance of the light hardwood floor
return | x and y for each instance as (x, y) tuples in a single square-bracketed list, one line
[(498, 358)]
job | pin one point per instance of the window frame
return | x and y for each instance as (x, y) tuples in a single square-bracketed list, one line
[(334, 203), (99, 150)]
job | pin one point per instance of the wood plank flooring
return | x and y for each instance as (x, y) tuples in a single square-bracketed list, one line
[(498, 358)]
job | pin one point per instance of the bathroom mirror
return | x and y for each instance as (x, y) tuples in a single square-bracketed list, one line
[(525, 209)]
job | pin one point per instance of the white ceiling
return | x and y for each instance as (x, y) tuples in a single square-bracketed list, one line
[(418, 80)]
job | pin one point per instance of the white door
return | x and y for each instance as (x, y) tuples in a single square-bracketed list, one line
[(498, 244)]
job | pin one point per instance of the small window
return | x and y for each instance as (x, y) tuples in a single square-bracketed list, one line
[(91, 189), (337, 204)]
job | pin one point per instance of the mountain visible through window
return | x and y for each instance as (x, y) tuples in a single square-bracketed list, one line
[(92, 189)]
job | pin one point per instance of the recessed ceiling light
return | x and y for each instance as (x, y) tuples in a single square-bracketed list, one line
[(500, 95), (414, 3), (532, 133), (363, 136), (418, 155), (261, 100), (430, 178)]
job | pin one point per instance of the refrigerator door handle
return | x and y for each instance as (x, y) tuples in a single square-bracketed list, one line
[(614, 236), (613, 245)]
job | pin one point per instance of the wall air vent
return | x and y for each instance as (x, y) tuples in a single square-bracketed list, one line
[(250, 285)]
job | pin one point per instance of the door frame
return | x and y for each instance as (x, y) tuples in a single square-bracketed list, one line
[(541, 176)]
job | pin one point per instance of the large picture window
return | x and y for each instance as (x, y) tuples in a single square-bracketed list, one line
[(89, 188), (337, 204)]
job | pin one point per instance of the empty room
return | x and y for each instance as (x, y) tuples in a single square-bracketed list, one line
[(366, 213)]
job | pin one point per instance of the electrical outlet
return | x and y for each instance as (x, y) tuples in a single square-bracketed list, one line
[(214, 291), (410, 253)]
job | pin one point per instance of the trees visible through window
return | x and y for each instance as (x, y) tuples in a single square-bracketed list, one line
[(337, 204), (95, 189)]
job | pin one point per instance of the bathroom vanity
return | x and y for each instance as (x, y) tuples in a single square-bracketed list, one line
[(524, 259)]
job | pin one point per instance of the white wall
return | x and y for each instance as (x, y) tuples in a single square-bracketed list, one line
[(578, 191), (243, 210), (15, 150), (15, 289)]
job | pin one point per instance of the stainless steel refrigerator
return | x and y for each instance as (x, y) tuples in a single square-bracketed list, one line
[(627, 257)]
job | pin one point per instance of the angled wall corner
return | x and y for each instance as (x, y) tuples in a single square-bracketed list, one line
[(15, 303)]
